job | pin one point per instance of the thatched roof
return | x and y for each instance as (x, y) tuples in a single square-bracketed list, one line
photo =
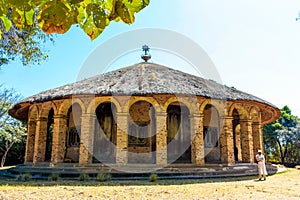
[(143, 79)]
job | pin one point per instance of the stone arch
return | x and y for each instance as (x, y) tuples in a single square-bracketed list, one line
[(99, 100), (178, 133), (191, 105), (33, 112), (243, 113), (105, 133), (67, 104), (220, 106), (211, 133), (255, 114), (133, 99), (45, 109), (73, 132), (142, 131)]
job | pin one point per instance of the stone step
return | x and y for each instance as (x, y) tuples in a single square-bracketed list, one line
[(169, 172)]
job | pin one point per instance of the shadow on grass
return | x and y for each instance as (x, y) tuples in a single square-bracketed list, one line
[(38, 183)]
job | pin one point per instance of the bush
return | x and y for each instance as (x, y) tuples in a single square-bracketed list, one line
[(23, 177), (84, 177), (153, 177), (53, 177), (103, 177)]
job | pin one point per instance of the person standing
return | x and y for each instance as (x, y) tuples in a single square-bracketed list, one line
[(262, 171)]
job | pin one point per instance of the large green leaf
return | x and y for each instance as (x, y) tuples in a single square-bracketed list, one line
[(91, 29), (7, 23), (125, 14), (55, 17)]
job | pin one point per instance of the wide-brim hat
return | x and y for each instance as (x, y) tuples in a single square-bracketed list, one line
[(259, 151)]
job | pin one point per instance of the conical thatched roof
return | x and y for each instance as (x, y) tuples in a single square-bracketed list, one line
[(143, 79)]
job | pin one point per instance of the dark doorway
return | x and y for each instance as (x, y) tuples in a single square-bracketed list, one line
[(49, 136), (178, 134)]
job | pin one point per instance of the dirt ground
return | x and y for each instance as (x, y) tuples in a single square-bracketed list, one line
[(285, 185)]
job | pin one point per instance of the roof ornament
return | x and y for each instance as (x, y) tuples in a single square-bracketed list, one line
[(146, 56)]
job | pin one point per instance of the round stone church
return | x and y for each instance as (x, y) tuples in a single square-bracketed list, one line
[(143, 114)]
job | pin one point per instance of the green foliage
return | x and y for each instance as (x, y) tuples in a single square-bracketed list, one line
[(153, 177), (24, 177), (84, 177), (103, 177), (282, 138), (58, 16), (11, 130), (24, 45), (53, 177)]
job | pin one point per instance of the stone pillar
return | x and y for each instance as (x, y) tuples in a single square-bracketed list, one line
[(247, 141), (59, 139), (40, 140), (87, 139), (197, 140), (226, 140), (238, 141), (31, 130), (257, 137), (161, 139), (122, 139)]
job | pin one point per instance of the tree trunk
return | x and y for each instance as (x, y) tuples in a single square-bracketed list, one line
[(4, 158), (280, 151), (8, 146)]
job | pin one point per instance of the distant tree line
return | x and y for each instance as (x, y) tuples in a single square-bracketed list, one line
[(282, 138)]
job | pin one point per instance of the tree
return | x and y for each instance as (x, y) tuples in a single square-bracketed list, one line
[(26, 45), (282, 137), (11, 133), (57, 16), (11, 130)]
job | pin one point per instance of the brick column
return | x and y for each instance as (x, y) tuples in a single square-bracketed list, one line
[(257, 137), (247, 141), (161, 139), (122, 139), (226, 140), (197, 142), (31, 130), (59, 139), (87, 139), (40, 140)]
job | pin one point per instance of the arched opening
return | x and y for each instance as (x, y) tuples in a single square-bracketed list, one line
[(105, 136), (73, 133), (49, 135), (178, 134), (237, 136), (141, 133), (211, 134)]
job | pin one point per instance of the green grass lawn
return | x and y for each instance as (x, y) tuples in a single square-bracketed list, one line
[(285, 185)]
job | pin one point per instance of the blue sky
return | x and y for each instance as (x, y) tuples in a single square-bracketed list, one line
[(255, 46)]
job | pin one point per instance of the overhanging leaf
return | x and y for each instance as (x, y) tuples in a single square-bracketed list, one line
[(91, 29), (55, 17), (124, 13), (7, 23)]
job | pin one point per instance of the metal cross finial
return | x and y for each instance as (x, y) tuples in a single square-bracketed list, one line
[(146, 56), (146, 49)]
